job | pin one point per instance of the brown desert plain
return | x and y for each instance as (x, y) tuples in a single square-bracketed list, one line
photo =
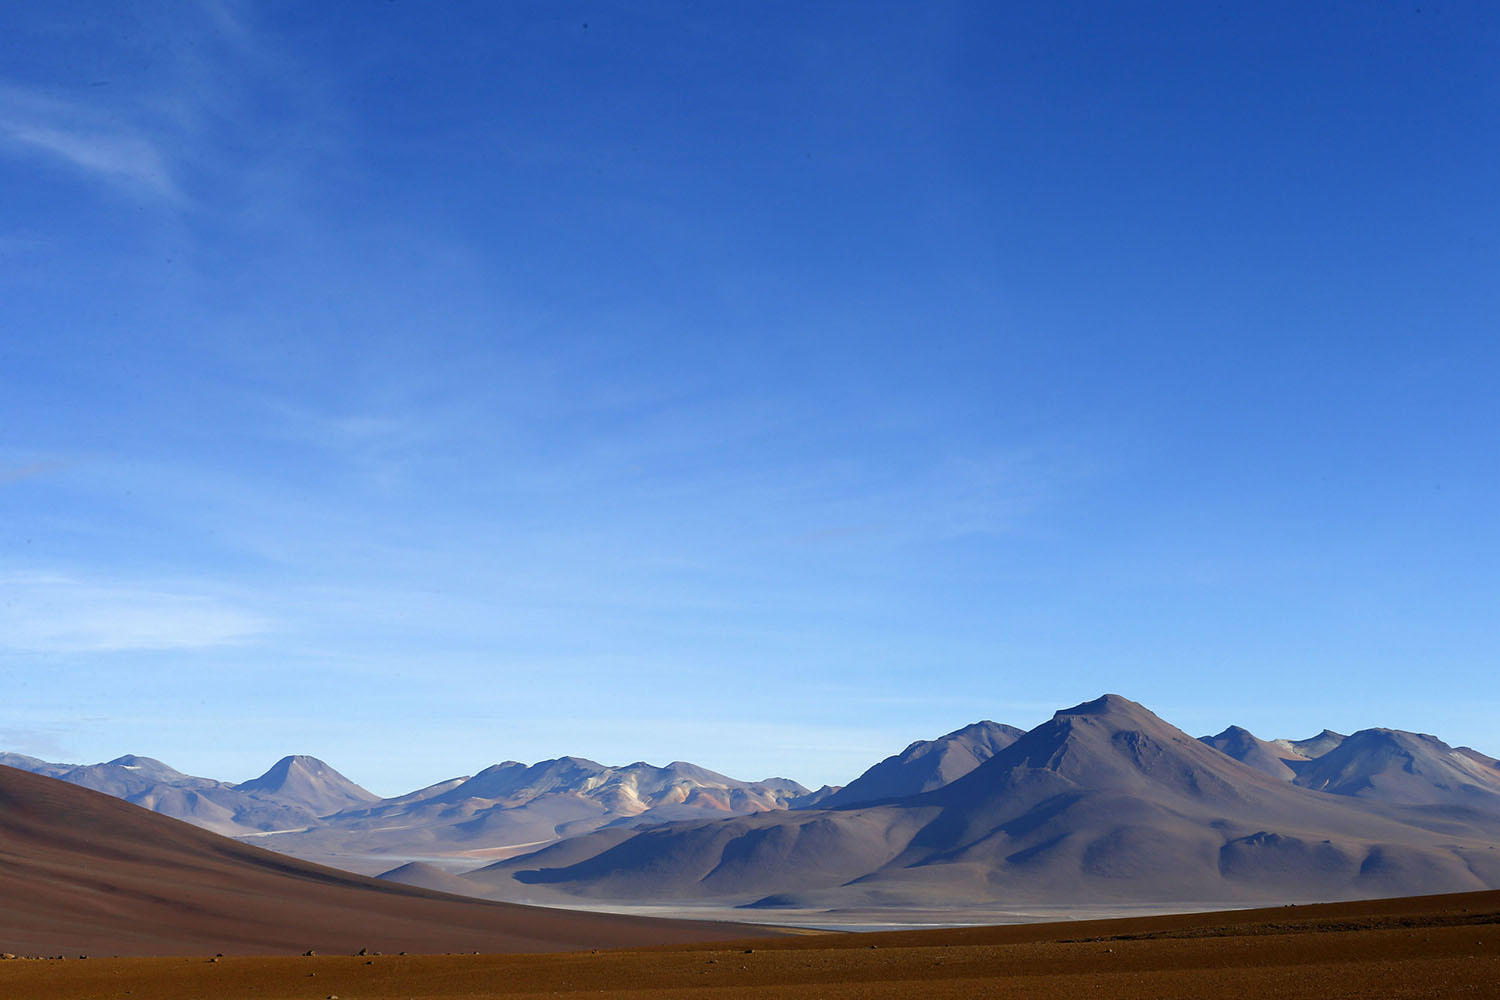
[(85, 874), (1432, 946)]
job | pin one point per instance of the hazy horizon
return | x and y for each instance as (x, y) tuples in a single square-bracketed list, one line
[(765, 388)]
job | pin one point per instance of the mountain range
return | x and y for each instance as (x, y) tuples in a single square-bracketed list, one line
[(1105, 802), (303, 807), (510, 808), (294, 793), (85, 873)]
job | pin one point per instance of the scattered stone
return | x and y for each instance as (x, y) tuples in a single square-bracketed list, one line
[(362, 952), (309, 953), (749, 951), (6, 956)]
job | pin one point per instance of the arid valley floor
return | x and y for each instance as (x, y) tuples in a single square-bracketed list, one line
[(1438, 947)]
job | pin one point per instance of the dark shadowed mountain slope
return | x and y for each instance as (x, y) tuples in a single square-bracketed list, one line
[(925, 765), (1263, 755), (1388, 765), (1105, 802), (82, 871)]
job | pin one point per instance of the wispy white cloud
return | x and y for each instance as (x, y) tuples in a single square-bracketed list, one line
[(179, 129), (85, 139), (53, 613), (128, 160)]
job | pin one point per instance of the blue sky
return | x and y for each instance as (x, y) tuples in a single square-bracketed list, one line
[(765, 385)]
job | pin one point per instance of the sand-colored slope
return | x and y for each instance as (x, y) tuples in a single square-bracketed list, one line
[(1434, 947), (83, 872)]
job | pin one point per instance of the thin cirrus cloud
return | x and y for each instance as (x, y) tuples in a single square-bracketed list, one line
[(125, 160), (70, 134), (157, 135), (53, 613)]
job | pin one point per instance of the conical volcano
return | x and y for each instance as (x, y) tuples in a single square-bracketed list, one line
[(309, 782)]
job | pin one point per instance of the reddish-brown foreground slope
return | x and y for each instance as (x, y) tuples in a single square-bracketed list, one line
[(81, 872), (1436, 947)]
